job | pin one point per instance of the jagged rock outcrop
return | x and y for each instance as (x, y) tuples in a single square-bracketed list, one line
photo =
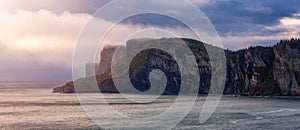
[(66, 88), (252, 71)]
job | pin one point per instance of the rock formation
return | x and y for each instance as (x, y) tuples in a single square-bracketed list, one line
[(252, 71)]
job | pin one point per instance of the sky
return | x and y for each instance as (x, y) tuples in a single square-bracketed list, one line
[(37, 38)]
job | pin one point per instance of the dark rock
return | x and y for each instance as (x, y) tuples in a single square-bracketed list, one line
[(66, 88), (255, 71)]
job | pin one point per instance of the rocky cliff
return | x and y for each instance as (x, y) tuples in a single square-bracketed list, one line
[(252, 71)]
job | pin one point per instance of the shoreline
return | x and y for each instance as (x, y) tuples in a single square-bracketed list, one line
[(202, 95)]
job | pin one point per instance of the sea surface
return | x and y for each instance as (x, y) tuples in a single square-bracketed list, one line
[(33, 106)]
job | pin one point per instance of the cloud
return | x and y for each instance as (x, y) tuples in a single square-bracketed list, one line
[(36, 42), (43, 36), (243, 23), (287, 28), (201, 2), (235, 18), (290, 21), (33, 40), (290, 27), (74, 6), (243, 16), (57, 6)]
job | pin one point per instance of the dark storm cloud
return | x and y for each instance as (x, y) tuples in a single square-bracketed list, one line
[(234, 17), (240, 17), (154, 20), (230, 17)]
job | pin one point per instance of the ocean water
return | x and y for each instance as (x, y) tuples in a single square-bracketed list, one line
[(33, 106)]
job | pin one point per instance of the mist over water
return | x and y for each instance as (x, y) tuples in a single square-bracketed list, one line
[(33, 106)]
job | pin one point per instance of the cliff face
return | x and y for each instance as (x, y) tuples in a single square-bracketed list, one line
[(105, 62), (265, 70), (253, 71), (286, 69), (249, 72)]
